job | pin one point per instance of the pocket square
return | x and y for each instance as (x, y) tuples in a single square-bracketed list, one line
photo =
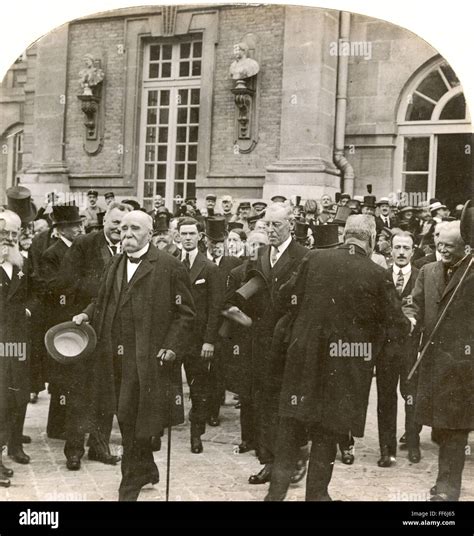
[(200, 281)]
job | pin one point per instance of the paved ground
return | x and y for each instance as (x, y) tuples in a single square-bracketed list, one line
[(219, 474)]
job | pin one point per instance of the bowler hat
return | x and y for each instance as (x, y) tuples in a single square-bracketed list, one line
[(236, 315), (326, 236), (235, 225), (133, 203), (467, 224), (19, 201), (342, 214), (215, 229), (109, 194), (69, 342), (63, 214)]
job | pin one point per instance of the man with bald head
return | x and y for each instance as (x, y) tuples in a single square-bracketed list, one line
[(142, 316), (445, 396)]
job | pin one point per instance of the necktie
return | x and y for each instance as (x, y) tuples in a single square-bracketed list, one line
[(273, 256), (187, 262), (400, 282), (135, 260)]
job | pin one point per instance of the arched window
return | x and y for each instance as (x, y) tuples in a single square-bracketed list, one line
[(434, 151)]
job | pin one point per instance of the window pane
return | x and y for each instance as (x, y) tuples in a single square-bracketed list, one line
[(196, 68), (415, 183), (181, 134), (182, 115), (455, 108), (163, 135), (416, 154), (419, 110), (166, 52), (179, 189), (180, 153), (197, 49), (161, 172), (151, 116), (162, 152), (152, 98), (150, 134), (191, 172), (194, 96), (164, 114), (194, 115), (165, 97), (190, 189), (192, 153), (184, 50), (179, 172), (193, 133), (165, 70), (150, 153), (160, 188), (154, 70), (450, 75), (148, 189), (182, 96), (149, 172), (433, 86), (154, 52), (184, 68)]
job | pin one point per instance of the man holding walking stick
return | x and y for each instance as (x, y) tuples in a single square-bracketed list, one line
[(142, 315), (443, 310)]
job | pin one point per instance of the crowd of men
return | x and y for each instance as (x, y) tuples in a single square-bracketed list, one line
[(289, 305)]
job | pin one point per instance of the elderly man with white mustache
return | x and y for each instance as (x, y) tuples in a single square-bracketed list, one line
[(14, 365)]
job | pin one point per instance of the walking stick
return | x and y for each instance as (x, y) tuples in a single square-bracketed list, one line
[(168, 454), (438, 323)]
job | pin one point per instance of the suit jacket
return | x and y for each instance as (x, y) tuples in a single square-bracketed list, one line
[(340, 297), (445, 396), (380, 224), (208, 295), (81, 269), (163, 315)]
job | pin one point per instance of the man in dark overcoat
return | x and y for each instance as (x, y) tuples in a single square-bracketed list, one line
[(346, 310), (143, 315), (445, 396)]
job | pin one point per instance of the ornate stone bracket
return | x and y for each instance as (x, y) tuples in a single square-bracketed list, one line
[(244, 97)]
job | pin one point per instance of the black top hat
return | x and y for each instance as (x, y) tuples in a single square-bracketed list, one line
[(109, 194), (235, 225), (19, 201), (215, 229), (326, 236), (70, 343), (63, 214), (369, 201), (191, 198), (354, 205), (342, 214), (301, 230), (93, 192), (467, 224)]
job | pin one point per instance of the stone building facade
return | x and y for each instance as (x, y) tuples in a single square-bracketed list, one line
[(169, 119)]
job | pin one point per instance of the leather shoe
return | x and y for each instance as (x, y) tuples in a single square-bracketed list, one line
[(414, 455), (105, 457), (245, 447), (6, 471), (263, 476), (196, 445), (25, 439), (213, 421), (4, 482), (300, 472), (73, 463), (347, 457), (19, 456), (386, 459)]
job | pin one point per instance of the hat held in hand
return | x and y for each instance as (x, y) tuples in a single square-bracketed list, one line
[(69, 343)]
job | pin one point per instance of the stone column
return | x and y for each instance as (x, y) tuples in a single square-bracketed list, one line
[(305, 164), (47, 169)]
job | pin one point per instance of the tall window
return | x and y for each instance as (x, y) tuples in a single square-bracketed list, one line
[(170, 120), (433, 146)]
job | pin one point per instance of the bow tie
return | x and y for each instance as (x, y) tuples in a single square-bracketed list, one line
[(135, 260)]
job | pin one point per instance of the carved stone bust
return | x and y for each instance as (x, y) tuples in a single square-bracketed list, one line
[(243, 67), (91, 76)]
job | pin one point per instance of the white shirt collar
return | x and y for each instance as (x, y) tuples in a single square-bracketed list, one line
[(8, 267), (192, 255), (282, 247), (405, 270), (65, 240), (140, 252)]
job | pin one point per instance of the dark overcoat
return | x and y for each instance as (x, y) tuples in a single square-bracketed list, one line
[(445, 397), (163, 316), (341, 297)]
